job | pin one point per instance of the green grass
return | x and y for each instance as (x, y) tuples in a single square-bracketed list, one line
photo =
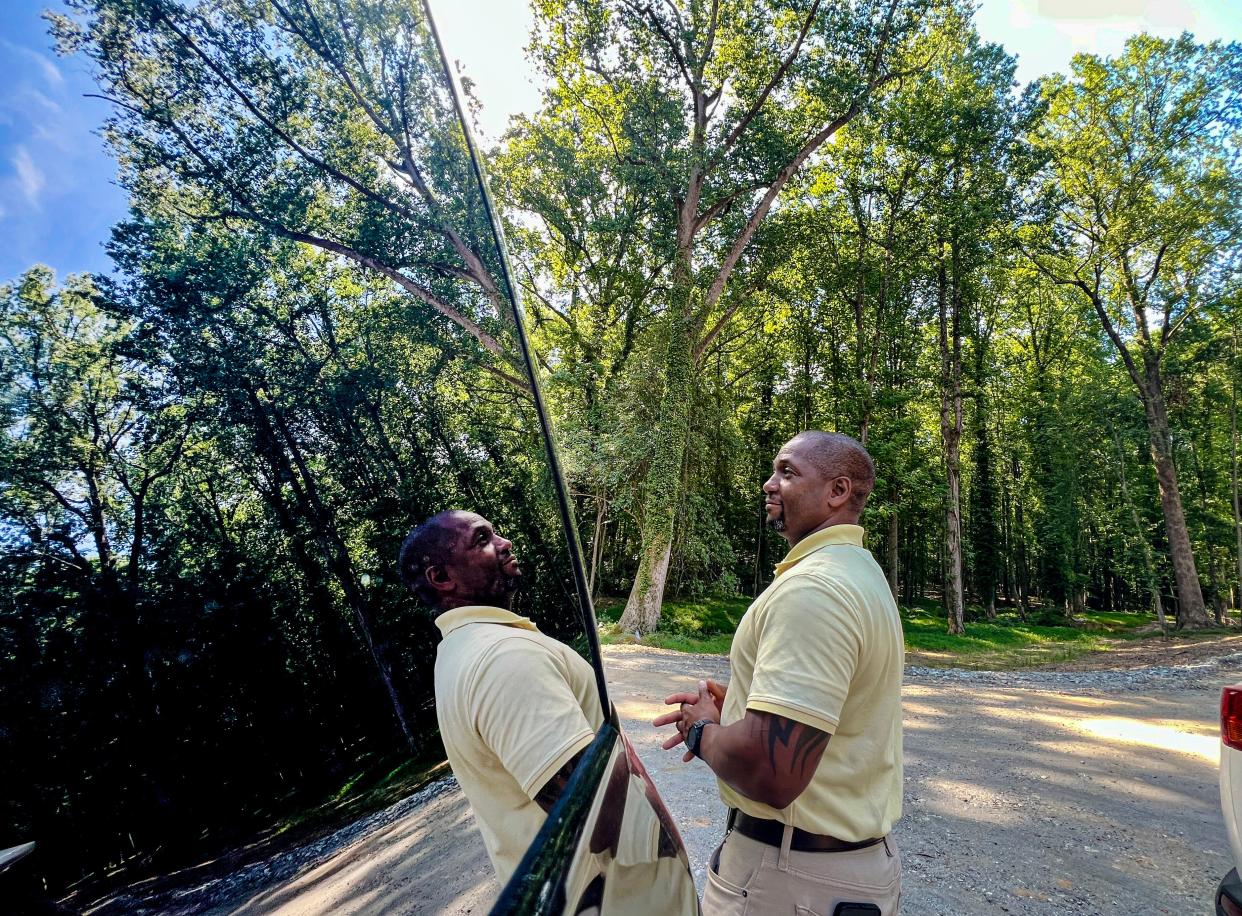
[(1008, 643), (703, 626), (706, 626), (711, 645)]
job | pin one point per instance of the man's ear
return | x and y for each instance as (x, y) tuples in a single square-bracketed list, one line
[(840, 491), (438, 578)]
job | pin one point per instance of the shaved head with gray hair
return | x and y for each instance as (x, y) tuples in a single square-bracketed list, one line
[(839, 455), (430, 544)]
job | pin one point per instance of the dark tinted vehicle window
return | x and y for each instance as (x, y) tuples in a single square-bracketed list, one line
[(208, 659)]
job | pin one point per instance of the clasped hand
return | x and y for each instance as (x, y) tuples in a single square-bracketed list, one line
[(706, 704)]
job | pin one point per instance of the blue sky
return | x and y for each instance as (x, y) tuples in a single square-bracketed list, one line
[(58, 198)]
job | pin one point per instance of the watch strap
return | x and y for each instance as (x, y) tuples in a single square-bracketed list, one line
[(694, 736)]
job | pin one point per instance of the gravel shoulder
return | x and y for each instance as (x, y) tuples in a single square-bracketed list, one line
[(1081, 790)]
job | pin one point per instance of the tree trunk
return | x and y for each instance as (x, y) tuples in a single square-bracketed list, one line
[(596, 542), (1218, 602), (662, 490), (1213, 592), (1006, 546), (894, 532), (338, 560), (953, 589), (1191, 612), (1021, 575), (1233, 458), (985, 534), (951, 436)]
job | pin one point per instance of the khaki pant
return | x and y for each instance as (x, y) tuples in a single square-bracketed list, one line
[(745, 876)]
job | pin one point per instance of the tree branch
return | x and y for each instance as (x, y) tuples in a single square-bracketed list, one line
[(777, 77), (267, 122)]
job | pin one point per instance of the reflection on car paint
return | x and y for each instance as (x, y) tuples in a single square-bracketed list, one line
[(609, 846)]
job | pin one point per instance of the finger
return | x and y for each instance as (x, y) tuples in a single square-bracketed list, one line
[(687, 757), (681, 698), (716, 690), (671, 742), (667, 719)]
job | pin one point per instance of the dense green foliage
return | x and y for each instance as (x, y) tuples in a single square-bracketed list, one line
[(918, 287), (209, 462)]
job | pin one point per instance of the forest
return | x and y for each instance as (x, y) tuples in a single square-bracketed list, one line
[(727, 222)]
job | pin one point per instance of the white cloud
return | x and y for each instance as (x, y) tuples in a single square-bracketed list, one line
[(29, 176), (51, 73), (1045, 34), (39, 99), (1102, 26)]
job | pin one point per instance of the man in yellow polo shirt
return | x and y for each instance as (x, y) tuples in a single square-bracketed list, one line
[(515, 707), (806, 739)]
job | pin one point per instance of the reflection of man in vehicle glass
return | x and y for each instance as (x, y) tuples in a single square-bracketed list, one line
[(515, 707), (806, 739)]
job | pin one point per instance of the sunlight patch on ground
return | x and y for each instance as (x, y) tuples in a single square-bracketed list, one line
[(920, 709), (1164, 737), (1094, 702)]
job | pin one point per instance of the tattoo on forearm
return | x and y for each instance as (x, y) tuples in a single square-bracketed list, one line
[(810, 741), (780, 730)]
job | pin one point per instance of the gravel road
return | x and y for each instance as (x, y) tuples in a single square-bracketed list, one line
[(1039, 792)]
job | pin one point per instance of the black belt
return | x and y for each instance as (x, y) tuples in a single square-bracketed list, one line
[(772, 832)]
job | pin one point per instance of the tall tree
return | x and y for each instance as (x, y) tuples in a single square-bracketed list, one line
[(1234, 372), (1142, 206), (325, 123), (972, 127), (718, 105)]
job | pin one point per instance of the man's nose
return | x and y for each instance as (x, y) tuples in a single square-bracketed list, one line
[(503, 543), (769, 485)]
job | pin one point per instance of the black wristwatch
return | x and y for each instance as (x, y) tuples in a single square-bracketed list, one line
[(695, 735)]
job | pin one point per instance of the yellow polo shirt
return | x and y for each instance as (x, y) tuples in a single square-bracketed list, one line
[(823, 646), (514, 705)]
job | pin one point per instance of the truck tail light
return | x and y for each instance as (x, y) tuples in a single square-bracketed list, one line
[(1231, 716)]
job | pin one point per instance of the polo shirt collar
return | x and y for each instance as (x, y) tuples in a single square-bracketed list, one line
[(828, 537), (480, 613)]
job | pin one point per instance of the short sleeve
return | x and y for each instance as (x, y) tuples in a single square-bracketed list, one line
[(526, 712), (808, 650)]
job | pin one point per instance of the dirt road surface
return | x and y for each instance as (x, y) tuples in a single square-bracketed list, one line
[(1017, 800), (1097, 796)]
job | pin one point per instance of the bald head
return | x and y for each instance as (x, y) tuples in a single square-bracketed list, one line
[(839, 455), (818, 480), (457, 558), (430, 544)]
